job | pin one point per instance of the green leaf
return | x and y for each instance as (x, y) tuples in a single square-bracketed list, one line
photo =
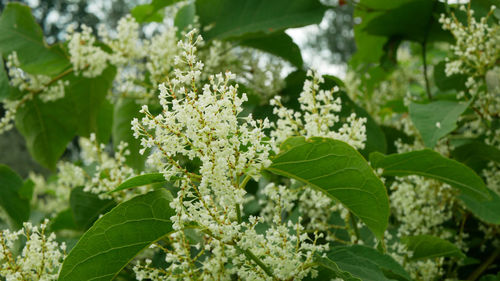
[(430, 164), (365, 263), (4, 82), (488, 211), (436, 119), (89, 96), (444, 83), (63, 220), (125, 110), (151, 12), (338, 170), (26, 191), (329, 269), (140, 181), (427, 246), (476, 155), (16, 206), (104, 122), (184, 18), (117, 237), (230, 19), (87, 207), (47, 128), (19, 32), (278, 44)]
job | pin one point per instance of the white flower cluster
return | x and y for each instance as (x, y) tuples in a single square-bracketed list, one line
[(87, 58), (40, 258), (321, 110), (475, 53), (203, 123), (476, 48), (110, 170), (42, 86)]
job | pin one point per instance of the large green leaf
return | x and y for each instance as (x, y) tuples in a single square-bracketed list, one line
[(279, 44), (89, 97), (436, 119), (87, 207), (364, 263), (338, 170), (19, 32), (428, 163), (47, 128), (428, 246), (229, 19), (140, 181), (125, 110), (16, 206), (117, 237)]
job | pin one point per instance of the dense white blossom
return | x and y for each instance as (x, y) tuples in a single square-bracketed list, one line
[(40, 258)]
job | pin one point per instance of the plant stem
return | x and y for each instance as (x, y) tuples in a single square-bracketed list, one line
[(254, 258), (424, 62), (238, 212), (476, 273)]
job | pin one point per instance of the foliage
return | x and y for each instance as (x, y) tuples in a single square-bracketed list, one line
[(206, 150)]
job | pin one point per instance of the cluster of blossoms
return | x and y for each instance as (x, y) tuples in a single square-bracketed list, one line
[(204, 123), (320, 112), (43, 86), (475, 54), (39, 260)]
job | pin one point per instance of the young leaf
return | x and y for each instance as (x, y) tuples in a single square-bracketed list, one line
[(428, 246), (428, 163), (338, 170), (140, 181), (436, 119), (364, 263), (87, 207), (19, 32), (117, 237), (47, 128), (230, 19), (16, 206)]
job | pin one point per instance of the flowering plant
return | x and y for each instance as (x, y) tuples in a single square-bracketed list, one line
[(195, 158)]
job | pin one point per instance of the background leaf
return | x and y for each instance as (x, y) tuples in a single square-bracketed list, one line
[(338, 170), (124, 111), (279, 44), (87, 207), (19, 32), (118, 236), (47, 128), (16, 206), (427, 246), (365, 263), (230, 19), (436, 119), (430, 164)]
